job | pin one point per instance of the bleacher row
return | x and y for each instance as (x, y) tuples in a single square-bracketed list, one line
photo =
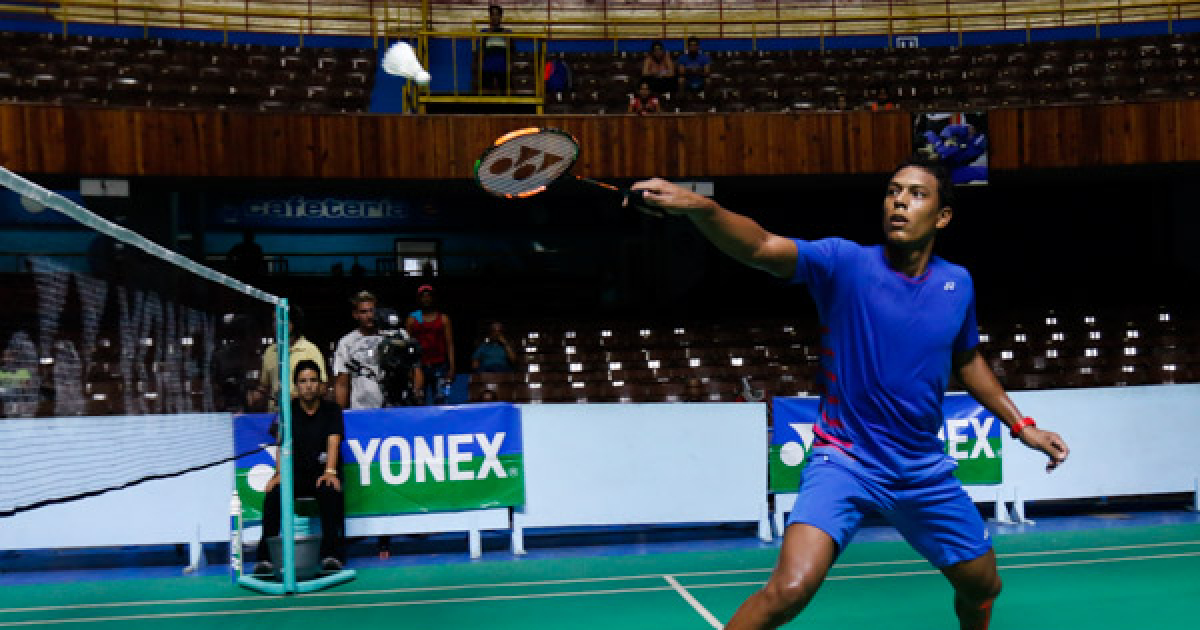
[(630, 363), (37, 67), (1084, 71), (74, 69)]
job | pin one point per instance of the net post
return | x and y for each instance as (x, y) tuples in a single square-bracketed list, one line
[(287, 536)]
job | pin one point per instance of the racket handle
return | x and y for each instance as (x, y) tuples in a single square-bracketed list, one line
[(636, 199)]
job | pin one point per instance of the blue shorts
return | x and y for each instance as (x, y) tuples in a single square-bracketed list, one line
[(937, 518)]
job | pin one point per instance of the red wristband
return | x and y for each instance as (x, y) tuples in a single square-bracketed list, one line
[(1021, 424)]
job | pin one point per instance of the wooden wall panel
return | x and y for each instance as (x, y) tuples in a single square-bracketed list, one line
[(1057, 137), (133, 142)]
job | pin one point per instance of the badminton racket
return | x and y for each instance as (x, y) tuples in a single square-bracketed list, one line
[(527, 161)]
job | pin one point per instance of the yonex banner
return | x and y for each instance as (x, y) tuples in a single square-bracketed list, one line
[(407, 459), (975, 440)]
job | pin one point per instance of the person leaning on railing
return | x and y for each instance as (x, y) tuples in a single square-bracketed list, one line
[(494, 54)]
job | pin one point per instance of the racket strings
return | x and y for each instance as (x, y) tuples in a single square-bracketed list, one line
[(526, 164)]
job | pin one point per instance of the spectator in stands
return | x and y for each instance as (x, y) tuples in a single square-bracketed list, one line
[(235, 365), (840, 104), (557, 75), (693, 391), (494, 54), (644, 102), (693, 67), (658, 70), (18, 369), (488, 395), (300, 349), (317, 433), (882, 100), (432, 329), (246, 260), (495, 353)]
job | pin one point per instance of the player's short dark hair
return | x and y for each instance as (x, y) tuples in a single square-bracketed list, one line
[(656, 43), (945, 188), (693, 38), (497, 8), (363, 296), (305, 364)]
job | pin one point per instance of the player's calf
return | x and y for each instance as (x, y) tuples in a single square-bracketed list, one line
[(973, 603)]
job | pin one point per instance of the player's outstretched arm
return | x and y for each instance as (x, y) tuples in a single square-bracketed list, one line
[(739, 236), (977, 377)]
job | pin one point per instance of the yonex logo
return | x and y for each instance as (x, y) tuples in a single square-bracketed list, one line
[(523, 167), (949, 286)]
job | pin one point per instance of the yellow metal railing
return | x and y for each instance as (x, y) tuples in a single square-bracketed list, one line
[(596, 20), (509, 94)]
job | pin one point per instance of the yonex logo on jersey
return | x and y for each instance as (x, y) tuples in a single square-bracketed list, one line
[(949, 286)]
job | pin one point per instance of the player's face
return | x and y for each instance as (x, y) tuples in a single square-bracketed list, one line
[(364, 314), (308, 385), (911, 216), (425, 299)]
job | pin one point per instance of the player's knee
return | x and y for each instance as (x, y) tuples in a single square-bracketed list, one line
[(787, 597), (983, 590)]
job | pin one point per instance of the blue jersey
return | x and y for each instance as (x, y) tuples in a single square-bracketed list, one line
[(887, 347)]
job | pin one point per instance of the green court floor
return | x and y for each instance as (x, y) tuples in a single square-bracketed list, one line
[(1130, 577)]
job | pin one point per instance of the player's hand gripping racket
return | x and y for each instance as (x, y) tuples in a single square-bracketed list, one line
[(525, 162)]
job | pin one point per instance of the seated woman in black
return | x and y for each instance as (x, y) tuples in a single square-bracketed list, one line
[(317, 432)]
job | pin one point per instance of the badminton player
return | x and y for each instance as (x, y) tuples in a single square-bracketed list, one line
[(897, 322)]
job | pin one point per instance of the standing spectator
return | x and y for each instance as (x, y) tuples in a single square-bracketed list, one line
[(317, 432), (644, 102), (356, 367), (694, 66), (658, 70), (433, 331), (299, 349), (557, 75), (246, 260), (358, 373), (495, 354), (693, 391), (494, 54)]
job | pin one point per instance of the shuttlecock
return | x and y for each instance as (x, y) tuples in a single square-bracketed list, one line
[(401, 60)]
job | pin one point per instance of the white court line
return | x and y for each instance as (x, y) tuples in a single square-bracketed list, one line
[(696, 605), (1034, 565), (453, 587), (256, 611), (457, 600)]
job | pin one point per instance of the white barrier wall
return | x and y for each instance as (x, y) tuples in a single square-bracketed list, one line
[(1123, 441), (637, 464), (629, 464)]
